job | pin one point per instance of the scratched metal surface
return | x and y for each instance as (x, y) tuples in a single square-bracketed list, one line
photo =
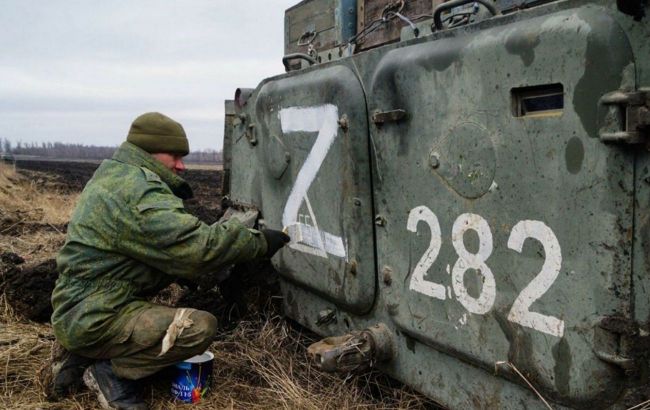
[(497, 238), (546, 183)]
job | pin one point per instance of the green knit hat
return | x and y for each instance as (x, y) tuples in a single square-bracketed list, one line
[(155, 132)]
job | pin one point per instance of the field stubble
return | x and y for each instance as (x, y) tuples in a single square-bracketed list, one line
[(260, 359)]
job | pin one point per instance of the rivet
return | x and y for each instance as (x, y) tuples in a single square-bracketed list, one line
[(387, 275), (352, 268), (433, 160), (344, 123)]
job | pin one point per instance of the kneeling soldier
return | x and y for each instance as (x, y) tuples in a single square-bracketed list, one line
[(128, 238)]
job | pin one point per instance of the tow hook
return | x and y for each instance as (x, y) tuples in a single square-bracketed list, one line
[(355, 351)]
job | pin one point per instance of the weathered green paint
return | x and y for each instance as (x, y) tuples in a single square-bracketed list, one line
[(600, 43), (459, 150), (522, 42), (340, 196), (574, 154)]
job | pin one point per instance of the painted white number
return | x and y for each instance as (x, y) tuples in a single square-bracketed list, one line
[(467, 260), (417, 283), (520, 312), (307, 238)]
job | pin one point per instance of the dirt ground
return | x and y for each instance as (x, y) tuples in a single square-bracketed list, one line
[(260, 357)]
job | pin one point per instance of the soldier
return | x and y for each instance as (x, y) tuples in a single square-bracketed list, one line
[(129, 237)]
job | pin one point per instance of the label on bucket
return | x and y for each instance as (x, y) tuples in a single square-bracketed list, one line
[(192, 378)]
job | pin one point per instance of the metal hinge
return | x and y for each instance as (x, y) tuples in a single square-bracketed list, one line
[(626, 118), (632, 344)]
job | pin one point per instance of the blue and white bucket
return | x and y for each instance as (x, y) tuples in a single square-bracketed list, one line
[(192, 379)]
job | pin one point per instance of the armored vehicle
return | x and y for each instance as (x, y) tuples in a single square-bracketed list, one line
[(467, 186)]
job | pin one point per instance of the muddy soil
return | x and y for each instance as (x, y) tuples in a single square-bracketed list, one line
[(28, 289), (9, 259), (70, 177)]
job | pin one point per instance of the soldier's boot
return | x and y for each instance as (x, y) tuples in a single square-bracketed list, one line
[(62, 375), (113, 392)]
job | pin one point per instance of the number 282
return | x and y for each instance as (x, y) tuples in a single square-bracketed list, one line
[(520, 312)]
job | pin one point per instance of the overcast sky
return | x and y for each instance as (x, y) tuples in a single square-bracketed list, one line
[(81, 70)]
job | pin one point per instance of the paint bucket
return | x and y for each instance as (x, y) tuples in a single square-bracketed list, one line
[(192, 378)]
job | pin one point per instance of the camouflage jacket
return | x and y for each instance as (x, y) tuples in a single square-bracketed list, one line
[(128, 237)]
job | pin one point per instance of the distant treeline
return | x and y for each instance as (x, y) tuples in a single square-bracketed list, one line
[(90, 152)]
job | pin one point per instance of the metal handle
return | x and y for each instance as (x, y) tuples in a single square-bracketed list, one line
[(307, 38), (381, 117), (293, 56), (437, 21), (242, 95)]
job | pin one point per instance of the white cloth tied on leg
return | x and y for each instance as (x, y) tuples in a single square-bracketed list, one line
[(181, 321)]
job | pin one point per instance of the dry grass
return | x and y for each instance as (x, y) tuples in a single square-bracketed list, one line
[(33, 214), (261, 364)]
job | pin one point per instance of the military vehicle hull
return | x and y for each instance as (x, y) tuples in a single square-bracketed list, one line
[(479, 191)]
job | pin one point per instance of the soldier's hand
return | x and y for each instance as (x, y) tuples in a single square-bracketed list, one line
[(274, 241)]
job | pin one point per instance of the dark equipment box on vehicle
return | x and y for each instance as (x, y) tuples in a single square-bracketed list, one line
[(314, 26), (370, 14)]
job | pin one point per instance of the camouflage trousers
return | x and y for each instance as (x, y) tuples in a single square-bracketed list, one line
[(137, 350)]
